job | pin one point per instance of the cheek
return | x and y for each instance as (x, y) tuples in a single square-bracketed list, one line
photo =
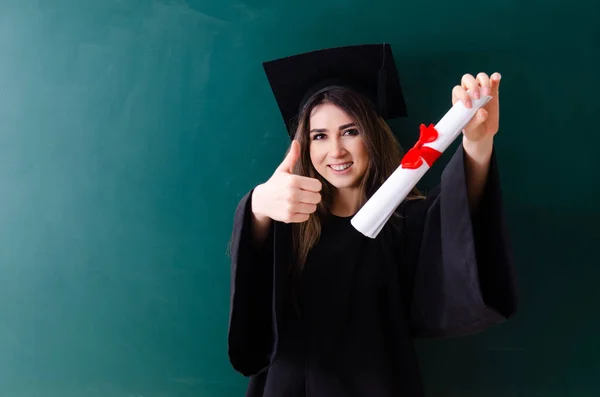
[(360, 151), (316, 154)]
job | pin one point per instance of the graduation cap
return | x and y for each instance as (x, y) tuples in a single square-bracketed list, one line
[(369, 69)]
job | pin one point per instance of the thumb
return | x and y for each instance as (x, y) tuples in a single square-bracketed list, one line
[(292, 157), (482, 115)]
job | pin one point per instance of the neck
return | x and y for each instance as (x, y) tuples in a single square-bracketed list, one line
[(345, 202)]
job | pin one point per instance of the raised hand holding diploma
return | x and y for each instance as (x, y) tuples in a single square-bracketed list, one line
[(475, 113), (478, 135), (485, 122)]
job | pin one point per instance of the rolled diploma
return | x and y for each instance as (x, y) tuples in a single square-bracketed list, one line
[(375, 213)]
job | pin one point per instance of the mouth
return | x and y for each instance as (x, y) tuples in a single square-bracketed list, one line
[(340, 168)]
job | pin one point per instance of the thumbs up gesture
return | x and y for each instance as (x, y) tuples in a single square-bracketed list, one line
[(286, 197)]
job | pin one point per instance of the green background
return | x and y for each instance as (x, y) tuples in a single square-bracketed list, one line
[(130, 129)]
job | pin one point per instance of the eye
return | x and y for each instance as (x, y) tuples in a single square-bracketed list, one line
[(351, 132), (317, 137)]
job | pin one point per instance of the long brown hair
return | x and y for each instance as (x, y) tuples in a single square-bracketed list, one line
[(384, 157)]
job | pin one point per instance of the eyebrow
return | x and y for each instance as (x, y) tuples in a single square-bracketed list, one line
[(341, 127)]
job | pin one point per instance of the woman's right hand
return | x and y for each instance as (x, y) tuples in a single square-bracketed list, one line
[(286, 197)]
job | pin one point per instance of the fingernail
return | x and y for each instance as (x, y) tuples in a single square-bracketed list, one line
[(476, 94), (486, 91)]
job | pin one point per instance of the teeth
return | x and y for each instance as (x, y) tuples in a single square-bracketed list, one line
[(341, 167)]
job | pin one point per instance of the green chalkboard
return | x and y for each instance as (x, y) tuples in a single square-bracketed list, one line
[(130, 129)]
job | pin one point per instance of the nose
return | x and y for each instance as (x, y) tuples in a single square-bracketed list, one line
[(337, 148)]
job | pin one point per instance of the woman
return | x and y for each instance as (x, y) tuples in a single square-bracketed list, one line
[(318, 309)]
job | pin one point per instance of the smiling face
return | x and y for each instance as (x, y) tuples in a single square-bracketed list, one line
[(370, 148), (337, 149)]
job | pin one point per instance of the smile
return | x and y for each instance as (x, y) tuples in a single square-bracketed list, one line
[(341, 167)]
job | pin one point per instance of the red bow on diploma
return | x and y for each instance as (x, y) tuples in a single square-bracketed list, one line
[(413, 159)]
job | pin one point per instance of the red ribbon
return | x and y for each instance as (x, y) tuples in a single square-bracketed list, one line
[(413, 159)]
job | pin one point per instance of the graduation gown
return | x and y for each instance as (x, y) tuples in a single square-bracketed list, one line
[(348, 329)]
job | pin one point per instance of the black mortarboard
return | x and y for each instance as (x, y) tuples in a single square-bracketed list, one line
[(369, 69)]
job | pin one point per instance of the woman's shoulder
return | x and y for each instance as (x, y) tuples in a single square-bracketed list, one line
[(419, 202), (412, 212)]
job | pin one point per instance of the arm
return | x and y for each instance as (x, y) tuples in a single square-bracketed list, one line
[(285, 197), (251, 334), (463, 272), (478, 156), (478, 137)]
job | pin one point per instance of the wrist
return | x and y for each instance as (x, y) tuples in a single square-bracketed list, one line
[(481, 150), (260, 223), (255, 205)]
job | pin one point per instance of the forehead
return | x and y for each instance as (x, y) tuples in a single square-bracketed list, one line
[(327, 115)]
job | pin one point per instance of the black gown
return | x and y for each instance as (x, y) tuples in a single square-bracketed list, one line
[(346, 329)]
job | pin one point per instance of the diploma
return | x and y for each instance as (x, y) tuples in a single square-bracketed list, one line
[(433, 140)]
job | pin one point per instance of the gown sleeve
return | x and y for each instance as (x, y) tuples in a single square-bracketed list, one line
[(463, 273), (251, 333)]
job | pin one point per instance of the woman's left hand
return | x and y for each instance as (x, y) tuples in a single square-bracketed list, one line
[(484, 125)]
